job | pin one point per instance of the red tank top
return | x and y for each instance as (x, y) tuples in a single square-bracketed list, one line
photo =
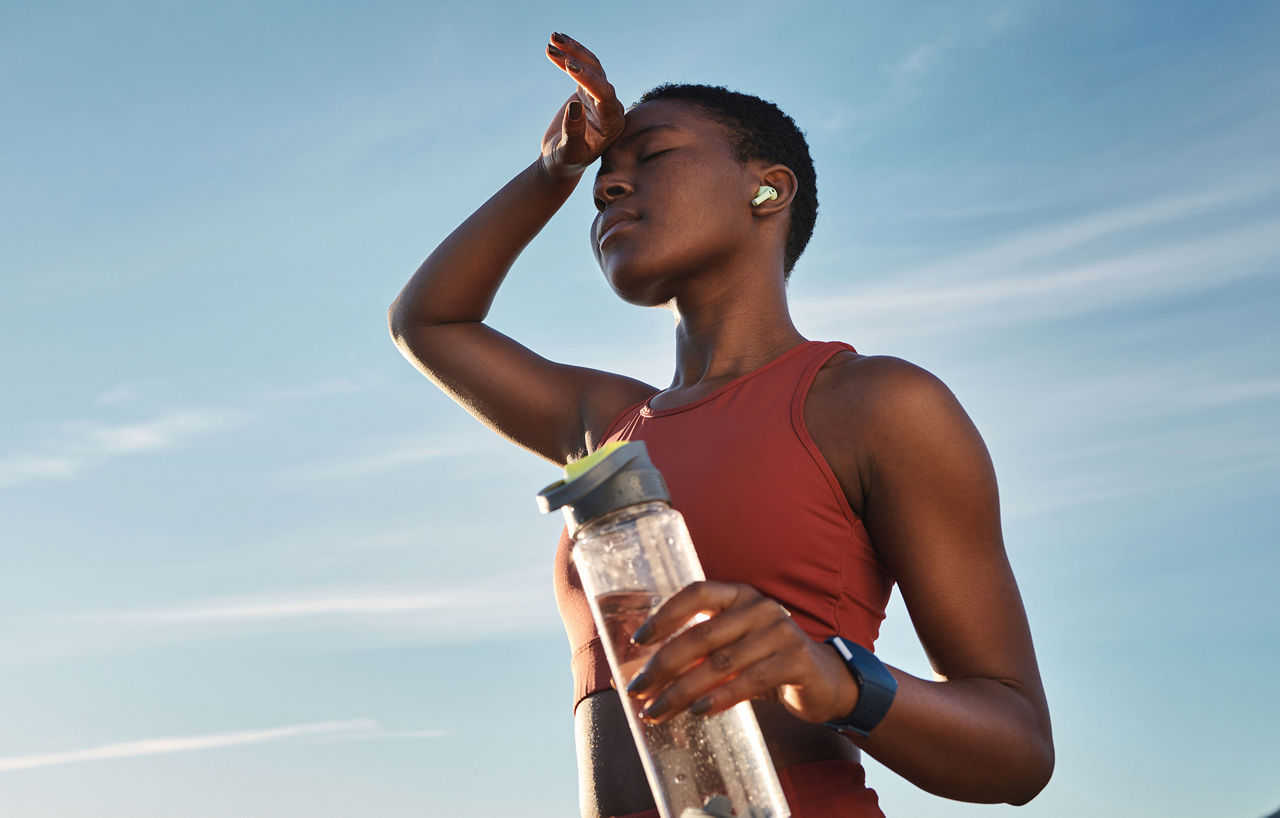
[(762, 505)]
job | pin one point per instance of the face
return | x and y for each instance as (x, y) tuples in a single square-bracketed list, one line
[(672, 201)]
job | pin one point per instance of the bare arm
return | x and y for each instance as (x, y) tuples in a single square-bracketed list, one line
[(909, 458), (437, 320), (981, 730)]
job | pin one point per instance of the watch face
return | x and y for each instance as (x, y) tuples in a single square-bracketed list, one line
[(876, 688), (843, 647)]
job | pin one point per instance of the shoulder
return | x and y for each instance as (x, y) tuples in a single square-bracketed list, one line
[(878, 389), (864, 410)]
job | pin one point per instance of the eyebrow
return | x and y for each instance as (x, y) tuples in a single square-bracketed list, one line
[(634, 135)]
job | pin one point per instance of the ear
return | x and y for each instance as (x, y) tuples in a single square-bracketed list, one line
[(781, 179)]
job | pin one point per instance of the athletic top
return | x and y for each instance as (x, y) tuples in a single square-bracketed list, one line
[(762, 505)]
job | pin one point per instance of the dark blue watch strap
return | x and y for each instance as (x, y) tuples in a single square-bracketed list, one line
[(876, 688)]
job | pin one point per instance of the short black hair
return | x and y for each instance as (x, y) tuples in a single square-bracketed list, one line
[(760, 130)]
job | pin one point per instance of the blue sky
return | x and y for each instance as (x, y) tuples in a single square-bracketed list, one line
[(255, 565)]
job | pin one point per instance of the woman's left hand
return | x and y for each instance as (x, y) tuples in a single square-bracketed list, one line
[(749, 648)]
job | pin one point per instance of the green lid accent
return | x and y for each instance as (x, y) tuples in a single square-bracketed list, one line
[(577, 468), (616, 476)]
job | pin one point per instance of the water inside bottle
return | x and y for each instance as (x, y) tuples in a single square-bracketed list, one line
[(684, 750), (623, 612)]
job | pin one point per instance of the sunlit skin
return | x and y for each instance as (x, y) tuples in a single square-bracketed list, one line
[(675, 228)]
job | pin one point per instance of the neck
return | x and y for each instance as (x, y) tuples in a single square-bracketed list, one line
[(728, 330)]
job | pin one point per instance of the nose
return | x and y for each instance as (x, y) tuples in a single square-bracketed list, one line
[(608, 189)]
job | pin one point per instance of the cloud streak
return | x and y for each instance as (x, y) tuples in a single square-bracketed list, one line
[(505, 603), (355, 728), (84, 445), (968, 32), (375, 463), (1042, 274), (276, 609)]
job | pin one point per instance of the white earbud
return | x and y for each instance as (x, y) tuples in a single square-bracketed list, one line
[(764, 194)]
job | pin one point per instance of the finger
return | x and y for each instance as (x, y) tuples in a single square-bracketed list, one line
[(592, 81), (596, 90), (556, 56), (699, 597), (575, 49), (730, 674), (586, 70), (758, 680), (571, 63), (707, 649), (573, 127)]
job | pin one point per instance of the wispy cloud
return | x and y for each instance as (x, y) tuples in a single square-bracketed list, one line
[(906, 76), (1175, 429), (1071, 267), (293, 608), (318, 389), (25, 468), (165, 431), (920, 59), (972, 31), (511, 601), (393, 457), (364, 729), (1014, 252), (72, 448), (120, 394), (81, 445)]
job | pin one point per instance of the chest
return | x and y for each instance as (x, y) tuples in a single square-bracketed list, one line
[(762, 506)]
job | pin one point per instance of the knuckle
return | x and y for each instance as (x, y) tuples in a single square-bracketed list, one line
[(761, 604), (721, 660), (759, 675), (704, 634), (782, 629), (746, 596)]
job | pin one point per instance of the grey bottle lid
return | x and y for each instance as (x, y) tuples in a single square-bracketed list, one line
[(614, 478)]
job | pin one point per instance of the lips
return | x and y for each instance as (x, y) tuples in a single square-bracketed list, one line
[(612, 219)]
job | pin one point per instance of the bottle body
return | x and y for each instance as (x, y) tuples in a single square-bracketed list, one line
[(630, 561)]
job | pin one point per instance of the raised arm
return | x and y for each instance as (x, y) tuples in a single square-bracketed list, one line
[(437, 320)]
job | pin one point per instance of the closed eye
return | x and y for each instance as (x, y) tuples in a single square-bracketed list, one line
[(649, 156)]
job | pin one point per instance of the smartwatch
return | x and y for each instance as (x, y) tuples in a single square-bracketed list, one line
[(876, 688)]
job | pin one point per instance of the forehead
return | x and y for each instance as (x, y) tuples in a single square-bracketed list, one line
[(674, 115)]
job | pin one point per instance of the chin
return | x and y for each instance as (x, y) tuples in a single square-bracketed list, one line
[(640, 289), (640, 294), (647, 283)]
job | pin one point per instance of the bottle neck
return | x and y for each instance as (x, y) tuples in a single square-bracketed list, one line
[(618, 517)]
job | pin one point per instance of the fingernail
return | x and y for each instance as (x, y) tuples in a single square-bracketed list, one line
[(642, 634), (575, 110), (573, 66), (557, 37), (656, 708), (640, 682), (553, 51), (700, 706)]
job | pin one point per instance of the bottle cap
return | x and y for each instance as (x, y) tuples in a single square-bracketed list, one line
[(615, 476)]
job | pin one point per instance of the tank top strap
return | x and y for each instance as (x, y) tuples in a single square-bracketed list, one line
[(625, 417), (811, 362), (815, 361)]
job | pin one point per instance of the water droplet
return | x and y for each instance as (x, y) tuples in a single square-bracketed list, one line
[(681, 778)]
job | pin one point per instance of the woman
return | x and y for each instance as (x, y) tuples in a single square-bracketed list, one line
[(813, 478)]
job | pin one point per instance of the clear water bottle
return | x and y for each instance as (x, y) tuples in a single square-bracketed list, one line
[(632, 552)]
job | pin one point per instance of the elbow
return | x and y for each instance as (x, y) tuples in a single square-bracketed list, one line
[(1039, 761), (399, 323), (394, 325)]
